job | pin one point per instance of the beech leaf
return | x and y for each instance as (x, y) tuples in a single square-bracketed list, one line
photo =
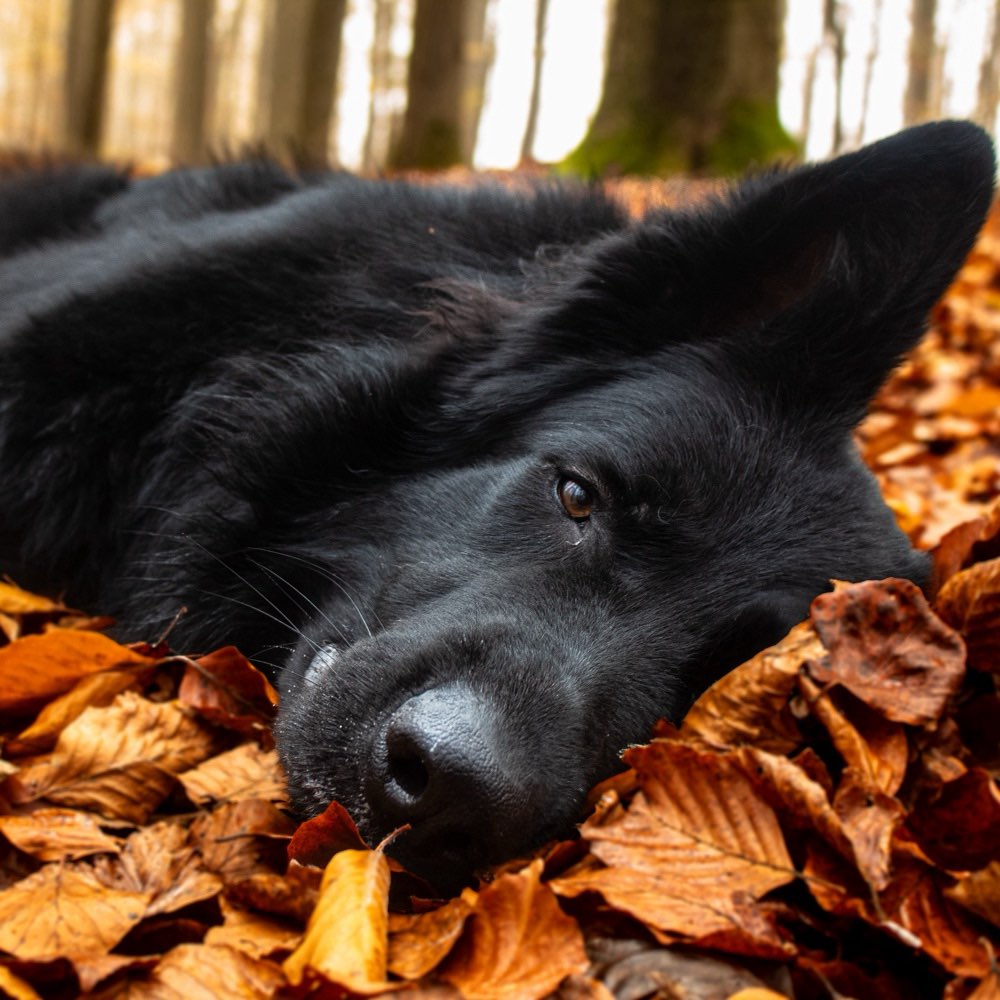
[(345, 940)]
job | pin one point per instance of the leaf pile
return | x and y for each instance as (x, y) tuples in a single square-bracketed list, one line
[(825, 823)]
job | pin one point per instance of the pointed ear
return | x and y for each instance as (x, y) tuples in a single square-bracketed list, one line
[(819, 278)]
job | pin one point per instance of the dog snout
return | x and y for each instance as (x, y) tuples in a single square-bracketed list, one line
[(440, 766)]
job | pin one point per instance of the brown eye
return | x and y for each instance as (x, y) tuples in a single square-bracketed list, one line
[(577, 499)]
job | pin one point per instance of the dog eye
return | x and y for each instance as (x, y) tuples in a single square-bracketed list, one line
[(577, 499)]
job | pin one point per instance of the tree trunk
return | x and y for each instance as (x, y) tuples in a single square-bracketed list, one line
[(377, 133), (445, 80), (834, 35), (191, 82), (920, 102), (88, 42), (298, 80), (531, 127), (689, 85), (988, 95)]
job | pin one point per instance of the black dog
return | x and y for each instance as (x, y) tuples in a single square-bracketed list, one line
[(493, 479)]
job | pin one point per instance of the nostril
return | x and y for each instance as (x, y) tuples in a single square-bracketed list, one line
[(406, 767)]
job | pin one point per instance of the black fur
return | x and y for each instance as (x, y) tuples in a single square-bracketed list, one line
[(332, 418)]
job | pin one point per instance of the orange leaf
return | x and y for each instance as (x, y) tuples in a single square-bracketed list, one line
[(160, 862), (517, 942), (960, 828), (970, 603), (227, 689), (319, 838), (35, 668), (695, 848), (238, 839), (750, 704), (63, 912), (979, 893), (889, 649), (58, 834), (253, 934), (245, 772), (117, 761), (418, 942), (205, 972), (15, 601), (345, 939)]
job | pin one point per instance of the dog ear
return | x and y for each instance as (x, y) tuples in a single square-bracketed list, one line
[(819, 278)]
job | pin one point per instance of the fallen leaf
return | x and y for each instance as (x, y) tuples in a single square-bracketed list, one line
[(940, 928), (204, 972), (117, 761), (243, 838), (227, 689), (960, 828), (58, 834), (418, 942), (160, 862), (695, 847), (95, 691), (345, 940), (245, 772), (979, 893), (252, 933), (64, 912), (319, 838), (36, 667), (750, 704), (970, 602), (517, 943), (15, 987), (292, 895), (888, 649)]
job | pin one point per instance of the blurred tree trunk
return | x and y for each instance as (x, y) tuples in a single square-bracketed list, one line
[(531, 127), (835, 38), (192, 85), (378, 131), (88, 44), (988, 95), (445, 82), (922, 99), (298, 79), (689, 85)]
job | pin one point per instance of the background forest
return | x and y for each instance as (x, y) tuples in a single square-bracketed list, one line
[(603, 87)]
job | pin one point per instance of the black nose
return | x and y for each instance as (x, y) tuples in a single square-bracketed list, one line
[(444, 766)]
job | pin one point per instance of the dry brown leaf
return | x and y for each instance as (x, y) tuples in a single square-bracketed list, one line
[(750, 704), (58, 834), (970, 602), (988, 989), (37, 667), (245, 772), (516, 944), (15, 601), (979, 893), (943, 930), (95, 691), (889, 649), (253, 934), (15, 987), (225, 688), (117, 761), (160, 862), (318, 839), (883, 772), (63, 911), (694, 849), (244, 838), (960, 828), (292, 895), (870, 819), (418, 942), (345, 939), (203, 972)]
